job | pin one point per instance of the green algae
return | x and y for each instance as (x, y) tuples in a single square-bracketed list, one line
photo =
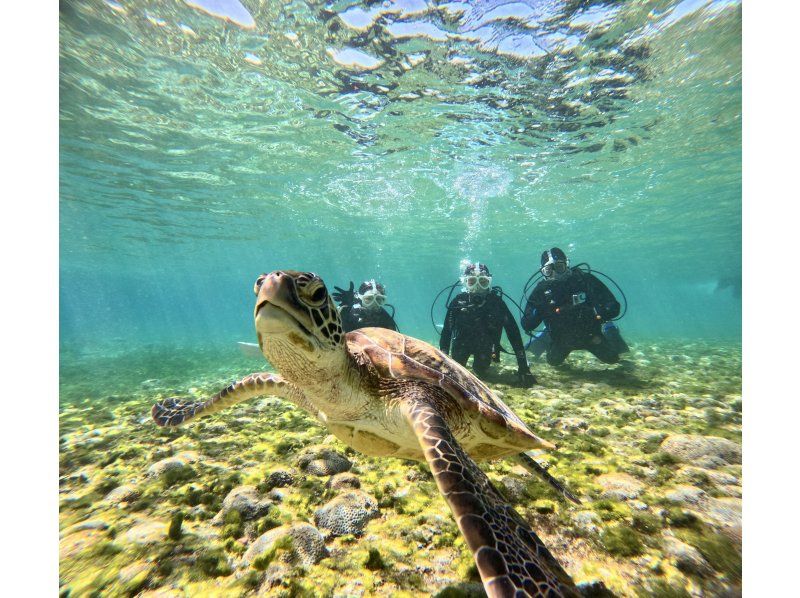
[(274, 518), (662, 589), (611, 510), (544, 506), (415, 533), (175, 524), (233, 526), (677, 517), (104, 549), (621, 540), (213, 562), (282, 547), (646, 523), (374, 561), (462, 590), (718, 550)]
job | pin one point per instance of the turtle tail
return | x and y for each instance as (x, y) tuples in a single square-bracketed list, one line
[(174, 412)]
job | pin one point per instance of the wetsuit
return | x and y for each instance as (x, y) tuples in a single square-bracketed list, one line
[(355, 316), (574, 308), (473, 325)]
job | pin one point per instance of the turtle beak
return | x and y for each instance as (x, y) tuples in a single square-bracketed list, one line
[(276, 308), (274, 289)]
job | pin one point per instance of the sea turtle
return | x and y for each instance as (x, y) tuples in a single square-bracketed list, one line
[(387, 394)]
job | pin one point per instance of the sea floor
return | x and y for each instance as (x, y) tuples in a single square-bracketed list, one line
[(261, 500)]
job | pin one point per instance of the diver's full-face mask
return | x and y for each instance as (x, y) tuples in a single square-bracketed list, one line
[(372, 299)]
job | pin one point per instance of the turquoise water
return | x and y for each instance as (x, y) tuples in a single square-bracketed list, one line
[(205, 142), (196, 154)]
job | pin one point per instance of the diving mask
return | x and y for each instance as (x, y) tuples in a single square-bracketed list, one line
[(372, 299), (556, 268), (477, 283)]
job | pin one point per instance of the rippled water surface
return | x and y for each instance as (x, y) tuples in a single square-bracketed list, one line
[(203, 143)]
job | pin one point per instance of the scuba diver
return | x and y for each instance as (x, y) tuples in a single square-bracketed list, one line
[(577, 310), (365, 308), (475, 321)]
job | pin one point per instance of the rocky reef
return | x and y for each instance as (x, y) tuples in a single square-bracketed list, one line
[(261, 500)]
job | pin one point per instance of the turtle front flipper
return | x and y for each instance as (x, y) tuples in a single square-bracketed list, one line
[(174, 412), (511, 559)]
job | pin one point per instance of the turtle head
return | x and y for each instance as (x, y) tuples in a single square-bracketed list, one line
[(295, 308)]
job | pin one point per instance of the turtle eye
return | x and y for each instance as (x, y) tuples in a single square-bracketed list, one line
[(259, 281)]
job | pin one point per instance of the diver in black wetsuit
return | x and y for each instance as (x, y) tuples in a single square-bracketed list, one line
[(576, 308), (365, 308), (475, 321)]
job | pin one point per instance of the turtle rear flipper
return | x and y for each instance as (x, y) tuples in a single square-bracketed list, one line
[(510, 557), (533, 466), (174, 412)]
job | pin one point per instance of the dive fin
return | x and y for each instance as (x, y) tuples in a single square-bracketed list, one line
[(250, 350)]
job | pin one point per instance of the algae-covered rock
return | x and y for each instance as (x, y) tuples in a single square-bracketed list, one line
[(122, 494), (514, 488), (619, 486), (147, 532), (686, 495), (72, 544), (687, 558), (721, 477), (92, 524), (348, 513), (344, 480), (704, 450), (323, 461), (170, 465), (306, 545), (570, 424), (134, 576), (277, 577), (725, 511), (279, 478), (587, 521), (246, 500)]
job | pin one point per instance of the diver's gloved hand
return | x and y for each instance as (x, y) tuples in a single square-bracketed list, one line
[(343, 297), (525, 379)]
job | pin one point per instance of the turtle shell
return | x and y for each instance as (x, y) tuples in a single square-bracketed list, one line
[(395, 355)]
